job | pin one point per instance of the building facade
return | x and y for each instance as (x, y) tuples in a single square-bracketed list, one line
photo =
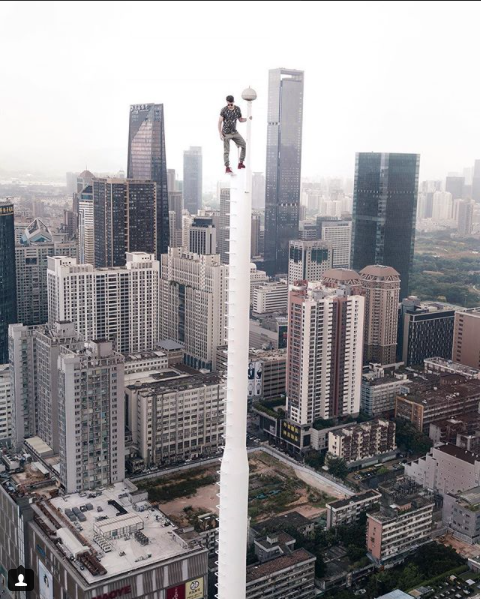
[(224, 225), (125, 219), (283, 166), (324, 352), (31, 259), (466, 337), (120, 304), (270, 297), (425, 330), (6, 406), (445, 469), (8, 290), (384, 212), (176, 418), (193, 298), (147, 162), (348, 511), (379, 390), (398, 529), (381, 286), (355, 444), (203, 236), (308, 260), (338, 233), (192, 182)]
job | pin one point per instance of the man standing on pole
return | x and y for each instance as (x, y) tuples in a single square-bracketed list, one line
[(227, 131)]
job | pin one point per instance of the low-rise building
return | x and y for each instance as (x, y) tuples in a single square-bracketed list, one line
[(379, 388), (175, 414), (445, 469), (290, 521), (449, 430), (290, 575), (399, 528), (347, 511), (268, 331), (440, 365), (461, 515), (270, 297), (112, 543), (356, 444), (448, 396)]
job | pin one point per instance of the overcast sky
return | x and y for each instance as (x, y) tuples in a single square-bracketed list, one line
[(379, 76)]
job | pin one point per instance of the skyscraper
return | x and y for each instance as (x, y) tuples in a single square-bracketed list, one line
[(202, 236), (192, 188), (283, 166), (455, 186), (31, 254), (120, 304), (324, 351), (475, 186), (465, 211), (176, 205), (308, 260), (384, 212), (125, 219), (91, 416), (8, 293), (147, 161), (258, 191), (86, 239), (193, 304), (338, 233), (381, 285)]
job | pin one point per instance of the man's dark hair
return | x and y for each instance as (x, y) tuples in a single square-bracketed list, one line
[(230, 98)]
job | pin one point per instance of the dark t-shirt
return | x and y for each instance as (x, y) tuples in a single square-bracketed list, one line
[(230, 119)]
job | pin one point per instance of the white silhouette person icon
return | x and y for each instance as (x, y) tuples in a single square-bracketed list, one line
[(20, 582)]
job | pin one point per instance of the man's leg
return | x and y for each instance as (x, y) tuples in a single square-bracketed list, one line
[(227, 139), (240, 143)]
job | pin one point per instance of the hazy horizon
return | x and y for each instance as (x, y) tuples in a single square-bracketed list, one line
[(71, 70)]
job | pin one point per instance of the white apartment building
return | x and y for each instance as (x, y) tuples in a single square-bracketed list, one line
[(445, 469), (349, 510), (338, 234), (91, 417), (86, 232), (325, 342), (193, 304), (120, 304), (308, 260), (270, 297)]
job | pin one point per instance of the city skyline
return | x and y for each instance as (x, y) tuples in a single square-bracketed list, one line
[(394, 120)]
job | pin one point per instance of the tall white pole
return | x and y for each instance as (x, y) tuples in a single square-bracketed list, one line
[(234, 471)]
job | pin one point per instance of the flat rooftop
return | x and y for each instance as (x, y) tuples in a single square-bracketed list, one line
[(159, 383), (105, 531), (443, 392), (458, 452), (255, 572), (354, 499)]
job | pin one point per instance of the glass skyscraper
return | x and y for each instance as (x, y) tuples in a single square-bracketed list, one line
[(283, 166), (384, 212), (193, 179), (147, 161), (125, 215), (8, 284)]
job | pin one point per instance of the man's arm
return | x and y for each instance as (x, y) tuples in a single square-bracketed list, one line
[(219, 127)]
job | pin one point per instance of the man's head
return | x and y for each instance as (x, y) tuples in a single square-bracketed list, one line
[(230, 101)]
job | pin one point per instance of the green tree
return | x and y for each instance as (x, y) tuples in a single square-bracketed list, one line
[(337, 467), (409, 577)]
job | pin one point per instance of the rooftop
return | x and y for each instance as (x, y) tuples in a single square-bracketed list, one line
[(458, 452), (379, 270), (170, 344), (270, 568), (292, 519), (336, 505), (446, 389), (174, 380), (109, 525)]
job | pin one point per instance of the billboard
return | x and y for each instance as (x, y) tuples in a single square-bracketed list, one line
[(194, 589), (254, 379), (45, 582)]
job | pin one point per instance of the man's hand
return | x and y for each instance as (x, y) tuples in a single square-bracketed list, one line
[(221, 137)]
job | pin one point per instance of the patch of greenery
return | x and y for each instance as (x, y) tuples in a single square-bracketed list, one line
[(165, 490), (337, 467), (409, 438)]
